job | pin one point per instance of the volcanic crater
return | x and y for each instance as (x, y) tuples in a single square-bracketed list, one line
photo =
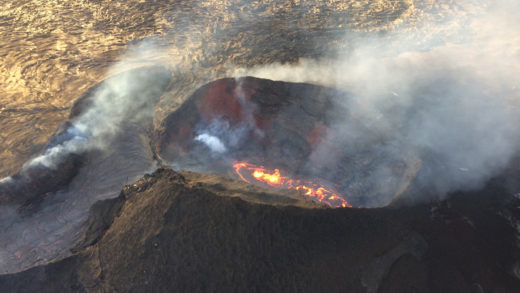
[(294, 128), (285, 138), (273, 134)]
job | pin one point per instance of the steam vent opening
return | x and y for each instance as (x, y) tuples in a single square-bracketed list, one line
[(287, 136)]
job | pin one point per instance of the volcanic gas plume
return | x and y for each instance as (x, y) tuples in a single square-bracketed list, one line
[(45, 206), (446, 91)]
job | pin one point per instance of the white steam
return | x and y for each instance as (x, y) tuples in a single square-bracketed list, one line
[(53, 155), (448, 91), (212, 142), (119, 100), (220, 137), (110, 133)]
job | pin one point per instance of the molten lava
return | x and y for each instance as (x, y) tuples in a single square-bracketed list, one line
[(274, 178)]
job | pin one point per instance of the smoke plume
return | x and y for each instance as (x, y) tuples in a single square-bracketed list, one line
[(119, 99), (212, 142), (447, 91), (108, 129)]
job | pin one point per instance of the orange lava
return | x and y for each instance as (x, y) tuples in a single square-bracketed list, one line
[(274, 178)]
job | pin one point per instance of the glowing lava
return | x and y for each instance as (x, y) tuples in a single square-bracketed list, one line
[(274, 178)]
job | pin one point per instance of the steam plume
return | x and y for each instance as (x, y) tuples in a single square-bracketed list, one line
[(107, 129), (448, 92), (118, 100), (212, 142)]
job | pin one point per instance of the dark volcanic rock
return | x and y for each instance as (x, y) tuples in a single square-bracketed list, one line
[(172, 232)]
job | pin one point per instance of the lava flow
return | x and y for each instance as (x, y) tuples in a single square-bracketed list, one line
[(274, 178)]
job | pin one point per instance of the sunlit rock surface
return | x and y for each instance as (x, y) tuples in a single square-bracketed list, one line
[(53, 51)]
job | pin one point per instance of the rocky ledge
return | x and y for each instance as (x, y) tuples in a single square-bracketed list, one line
[(189, 232)]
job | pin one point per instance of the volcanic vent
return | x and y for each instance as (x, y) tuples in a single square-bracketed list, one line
[(286, 135), (105, 145)]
